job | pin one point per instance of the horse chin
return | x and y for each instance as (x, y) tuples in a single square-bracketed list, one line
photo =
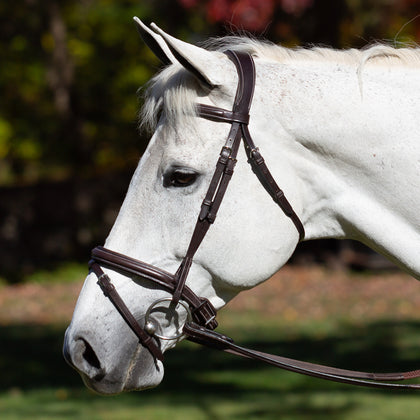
[(135, 382), (135, 379)]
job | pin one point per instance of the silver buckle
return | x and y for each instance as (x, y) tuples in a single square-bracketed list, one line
[(150, 327)]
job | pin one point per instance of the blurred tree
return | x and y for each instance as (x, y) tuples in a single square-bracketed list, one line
[(69, 70), (69, 73)]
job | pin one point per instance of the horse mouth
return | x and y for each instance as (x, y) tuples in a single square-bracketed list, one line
[(136, 372)]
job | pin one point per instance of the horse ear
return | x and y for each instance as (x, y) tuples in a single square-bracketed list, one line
[(200, 62), (155, 42)]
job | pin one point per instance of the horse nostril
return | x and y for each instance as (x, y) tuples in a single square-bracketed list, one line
[(80, 355), (90, 356)]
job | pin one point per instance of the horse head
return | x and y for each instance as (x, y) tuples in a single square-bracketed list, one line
[(169, 264), (250, 240)]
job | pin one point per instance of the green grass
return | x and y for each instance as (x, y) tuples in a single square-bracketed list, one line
[(63, 404), (200, 383), (67, 273)]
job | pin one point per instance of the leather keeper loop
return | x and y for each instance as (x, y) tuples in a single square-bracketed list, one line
[(221, 115)]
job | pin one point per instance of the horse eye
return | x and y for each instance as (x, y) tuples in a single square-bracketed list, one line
[(179, 177)]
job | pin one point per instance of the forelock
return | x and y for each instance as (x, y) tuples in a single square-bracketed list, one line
[(173, 93)]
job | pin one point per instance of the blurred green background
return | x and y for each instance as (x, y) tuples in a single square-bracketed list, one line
[(70, 69), (69, 76)]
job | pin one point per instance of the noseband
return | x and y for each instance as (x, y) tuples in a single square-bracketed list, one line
[(201, 315)]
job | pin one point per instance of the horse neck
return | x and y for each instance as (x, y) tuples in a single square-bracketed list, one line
[(337, 131)]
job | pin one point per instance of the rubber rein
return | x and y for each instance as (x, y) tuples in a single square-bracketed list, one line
[(201, 315)]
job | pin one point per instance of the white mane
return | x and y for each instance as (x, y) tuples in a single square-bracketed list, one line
[(380, 53), (173, 91)]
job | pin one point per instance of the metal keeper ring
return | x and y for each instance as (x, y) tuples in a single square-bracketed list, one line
[(149, 326)]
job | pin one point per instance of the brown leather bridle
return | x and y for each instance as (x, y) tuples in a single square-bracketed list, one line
[(201, 321)]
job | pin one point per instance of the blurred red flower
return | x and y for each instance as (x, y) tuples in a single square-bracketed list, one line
[(295, 7), (251, 15), (188, 4), (219, 10)]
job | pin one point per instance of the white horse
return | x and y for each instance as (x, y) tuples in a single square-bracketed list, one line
[(340, 131)]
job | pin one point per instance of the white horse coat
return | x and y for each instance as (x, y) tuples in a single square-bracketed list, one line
[(338, 129)]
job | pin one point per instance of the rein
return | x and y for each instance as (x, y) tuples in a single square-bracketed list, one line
[(201, 315)]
